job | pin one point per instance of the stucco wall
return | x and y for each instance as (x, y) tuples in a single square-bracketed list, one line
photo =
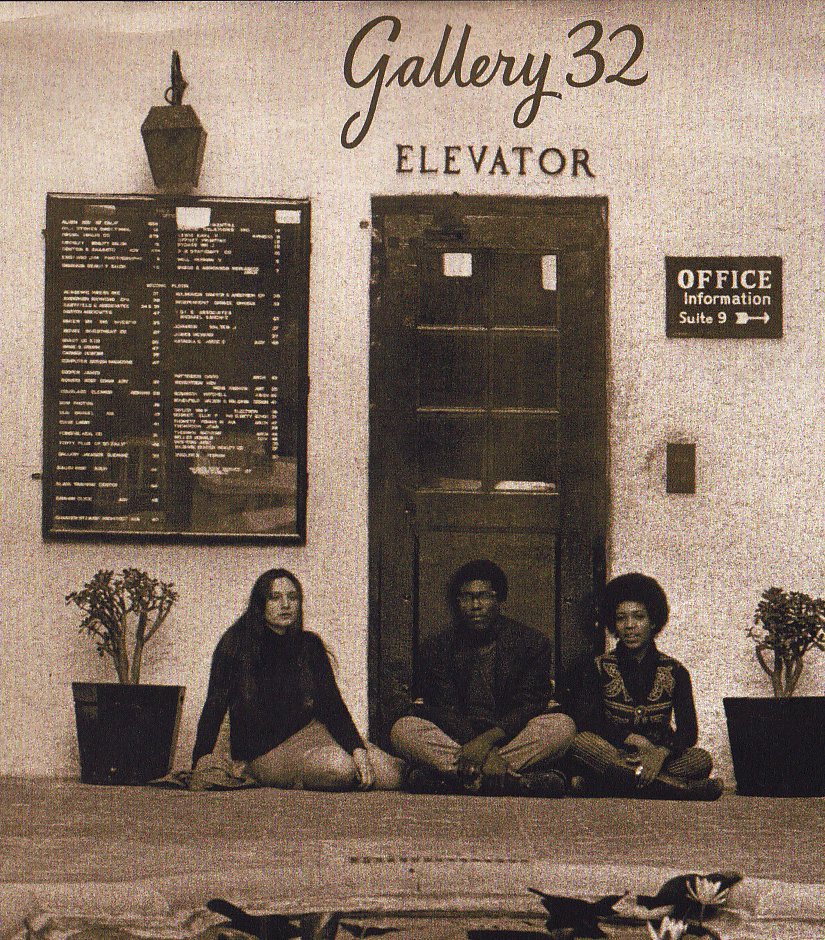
[(718, 152)]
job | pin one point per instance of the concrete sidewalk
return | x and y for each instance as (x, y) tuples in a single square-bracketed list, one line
[(81, 850)]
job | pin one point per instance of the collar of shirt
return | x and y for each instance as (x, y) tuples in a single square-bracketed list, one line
[(638, 674)]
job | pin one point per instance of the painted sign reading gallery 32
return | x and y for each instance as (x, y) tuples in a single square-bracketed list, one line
[(724, 298)]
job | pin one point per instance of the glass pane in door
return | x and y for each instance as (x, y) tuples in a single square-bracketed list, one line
[(451, 298), (451, 368), (450, 451), (523, 369), (523, 290), (523, 452)]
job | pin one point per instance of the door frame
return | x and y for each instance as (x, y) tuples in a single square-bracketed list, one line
[(577, 227)]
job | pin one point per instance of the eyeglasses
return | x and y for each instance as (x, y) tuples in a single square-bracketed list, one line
[(486, 597)]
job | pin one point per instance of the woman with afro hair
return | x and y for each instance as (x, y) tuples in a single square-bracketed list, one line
[(633, 706)]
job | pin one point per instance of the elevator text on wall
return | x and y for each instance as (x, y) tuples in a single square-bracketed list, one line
[(492, 160), (724, 298)]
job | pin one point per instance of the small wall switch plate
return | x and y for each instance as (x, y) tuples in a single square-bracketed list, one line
[(681, 468)]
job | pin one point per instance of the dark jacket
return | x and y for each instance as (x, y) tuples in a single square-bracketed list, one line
[(522, 679), (272, 686), (613, 696)]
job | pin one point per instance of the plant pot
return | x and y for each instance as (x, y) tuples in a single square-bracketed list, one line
[(777, 745), (126, 734)]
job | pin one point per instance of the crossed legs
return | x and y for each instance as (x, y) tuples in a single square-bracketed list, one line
[(604, 758), (312, 760), (543, 740), (684, 776)]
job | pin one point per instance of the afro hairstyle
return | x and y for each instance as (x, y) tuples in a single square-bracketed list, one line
[(639, 588)]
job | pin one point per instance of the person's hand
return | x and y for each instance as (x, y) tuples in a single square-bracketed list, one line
[(495, 765), (637, 741), (363, 765), (474, 753), (650, 759)]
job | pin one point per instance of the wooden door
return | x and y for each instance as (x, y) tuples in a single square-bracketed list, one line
[(487, 416)]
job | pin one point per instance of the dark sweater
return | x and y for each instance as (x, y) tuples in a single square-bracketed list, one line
[(272, 686), (516, 679), (613, 696)]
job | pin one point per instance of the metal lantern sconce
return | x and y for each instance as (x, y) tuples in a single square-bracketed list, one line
[(174, 138)]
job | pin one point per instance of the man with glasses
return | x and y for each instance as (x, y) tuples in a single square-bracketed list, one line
[(486, 721)]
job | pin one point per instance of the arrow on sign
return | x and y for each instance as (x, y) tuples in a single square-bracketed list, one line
[(742, 317)]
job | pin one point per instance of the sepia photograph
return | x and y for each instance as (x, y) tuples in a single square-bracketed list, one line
[(412, 470)]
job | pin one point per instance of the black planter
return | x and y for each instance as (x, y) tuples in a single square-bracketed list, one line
[(126, 734), (777, 745)]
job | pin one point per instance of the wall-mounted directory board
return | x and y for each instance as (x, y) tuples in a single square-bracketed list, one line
[(175, 397)]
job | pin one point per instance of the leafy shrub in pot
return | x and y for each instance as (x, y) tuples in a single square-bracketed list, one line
[(786, 626), (778, 742), (126, 732), (122, 614)]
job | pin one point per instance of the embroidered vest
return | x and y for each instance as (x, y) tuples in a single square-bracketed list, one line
[(650, 718)]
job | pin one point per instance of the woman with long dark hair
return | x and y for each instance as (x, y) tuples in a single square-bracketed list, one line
[(287, 720)]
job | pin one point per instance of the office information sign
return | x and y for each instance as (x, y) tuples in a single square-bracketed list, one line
[(724, 298), (175, 368)]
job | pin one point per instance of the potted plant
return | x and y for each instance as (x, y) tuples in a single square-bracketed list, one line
[(127, 732), (778, 744)]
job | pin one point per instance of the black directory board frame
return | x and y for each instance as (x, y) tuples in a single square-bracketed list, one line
[(176, 368)]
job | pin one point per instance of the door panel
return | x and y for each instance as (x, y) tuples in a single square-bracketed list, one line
[(487, 415)]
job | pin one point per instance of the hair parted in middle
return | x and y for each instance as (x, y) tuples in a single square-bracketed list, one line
[(260, 593), (637, 587)]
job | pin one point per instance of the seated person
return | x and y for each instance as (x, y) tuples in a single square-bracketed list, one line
[(487, 693), (287, 719), (634, 706)]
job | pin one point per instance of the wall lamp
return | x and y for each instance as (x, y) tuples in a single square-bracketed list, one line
[(174, 138)]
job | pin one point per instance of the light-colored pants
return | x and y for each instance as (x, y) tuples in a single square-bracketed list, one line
[(543, 740), (312, 760)]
